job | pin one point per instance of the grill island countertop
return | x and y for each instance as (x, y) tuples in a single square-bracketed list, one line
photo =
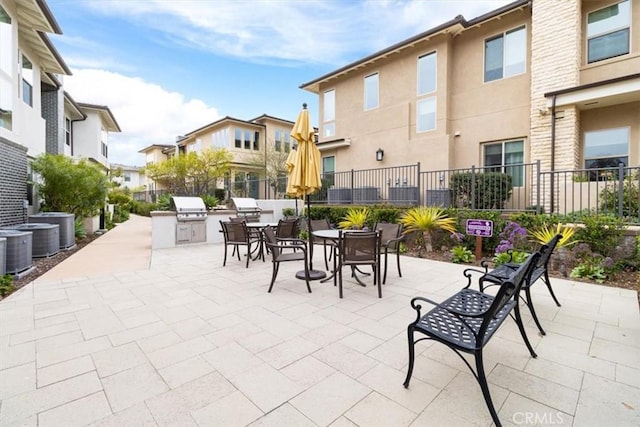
[(189, 208)]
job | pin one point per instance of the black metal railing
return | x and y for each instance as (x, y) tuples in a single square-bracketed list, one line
[(518, 187)]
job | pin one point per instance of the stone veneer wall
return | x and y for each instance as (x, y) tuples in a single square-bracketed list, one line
[(556, 55), (51, 106), (13, 183)]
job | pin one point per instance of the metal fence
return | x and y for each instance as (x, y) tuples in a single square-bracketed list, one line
[(518, 187)]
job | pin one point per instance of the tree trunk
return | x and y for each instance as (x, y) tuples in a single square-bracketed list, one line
[(428, 245)]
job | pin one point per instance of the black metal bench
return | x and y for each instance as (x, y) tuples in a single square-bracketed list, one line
[(466, 322), (503, 272)]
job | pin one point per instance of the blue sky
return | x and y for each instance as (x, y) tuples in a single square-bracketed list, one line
[(167, 67)]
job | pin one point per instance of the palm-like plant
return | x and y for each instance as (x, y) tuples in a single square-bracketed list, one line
[(355, 218), (547, 231), (425, 220)]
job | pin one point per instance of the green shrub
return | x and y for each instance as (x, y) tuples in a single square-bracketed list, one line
[(143, 208), (220, 193), (601, 232), (461, 255), (517, 257), (491, 190), (590, 272), (6, 285), (210, 201), (288, 212), (164, 202), (80, 231), (630, 197)]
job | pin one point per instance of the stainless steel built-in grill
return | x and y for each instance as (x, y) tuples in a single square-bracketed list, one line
[(191, 214), (246, 208), (189, 208)]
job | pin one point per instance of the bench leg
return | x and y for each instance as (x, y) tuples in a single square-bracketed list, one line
[(522, 331), (529, 303), (411, 356), (548, 283), (482, 380)]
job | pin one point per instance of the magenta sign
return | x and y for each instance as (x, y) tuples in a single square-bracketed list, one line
[(480, 227)]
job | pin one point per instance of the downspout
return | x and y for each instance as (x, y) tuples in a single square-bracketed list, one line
[(553, 152)]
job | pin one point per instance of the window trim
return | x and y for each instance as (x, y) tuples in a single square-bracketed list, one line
[(328, 124), (503, 35), (503, 165), (584, 144), (435, 73), (377, 92), (628, 27), (435, 112)]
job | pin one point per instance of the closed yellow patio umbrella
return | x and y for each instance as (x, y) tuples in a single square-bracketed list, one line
[(289, 164), (305, 175)]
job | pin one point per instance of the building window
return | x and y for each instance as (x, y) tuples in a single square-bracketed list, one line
[(6, 70), (426, 114), (283, 140), (606, 149), (67, 131), (220, 138), (256, 141), (608, 32), (104, 139), (247, 140), (127, 177), (329, 113), (427, 74), (27, 81), (505, 55), (278, 141), (506, 157), (238, 138), (328, 170), (371, 92)]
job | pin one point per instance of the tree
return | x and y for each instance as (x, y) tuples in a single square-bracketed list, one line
[(273, 165), (191, 174), (78, 188)]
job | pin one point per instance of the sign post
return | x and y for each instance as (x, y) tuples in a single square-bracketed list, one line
[(479, 228)]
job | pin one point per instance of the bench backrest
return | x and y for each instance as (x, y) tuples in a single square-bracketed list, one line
[(508, 293), (546, 250)]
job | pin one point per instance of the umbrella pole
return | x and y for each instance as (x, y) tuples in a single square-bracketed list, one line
[(313, 274)]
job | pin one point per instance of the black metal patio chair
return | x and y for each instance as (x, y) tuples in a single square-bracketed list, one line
[(284, 251), (236, 234), (356, 248), (390, 243), (317, 225), (466, 321)]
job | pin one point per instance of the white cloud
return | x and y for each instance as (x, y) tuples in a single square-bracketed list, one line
[(147, 113), (320, 31)]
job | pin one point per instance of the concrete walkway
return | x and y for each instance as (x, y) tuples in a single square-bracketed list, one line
[(125, 248), (117, 340)]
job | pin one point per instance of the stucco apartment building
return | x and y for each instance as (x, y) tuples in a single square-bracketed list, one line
[(259, 146), (548, 80), (36, 115)]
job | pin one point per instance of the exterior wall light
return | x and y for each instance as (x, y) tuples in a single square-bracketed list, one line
[(379, 154)]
